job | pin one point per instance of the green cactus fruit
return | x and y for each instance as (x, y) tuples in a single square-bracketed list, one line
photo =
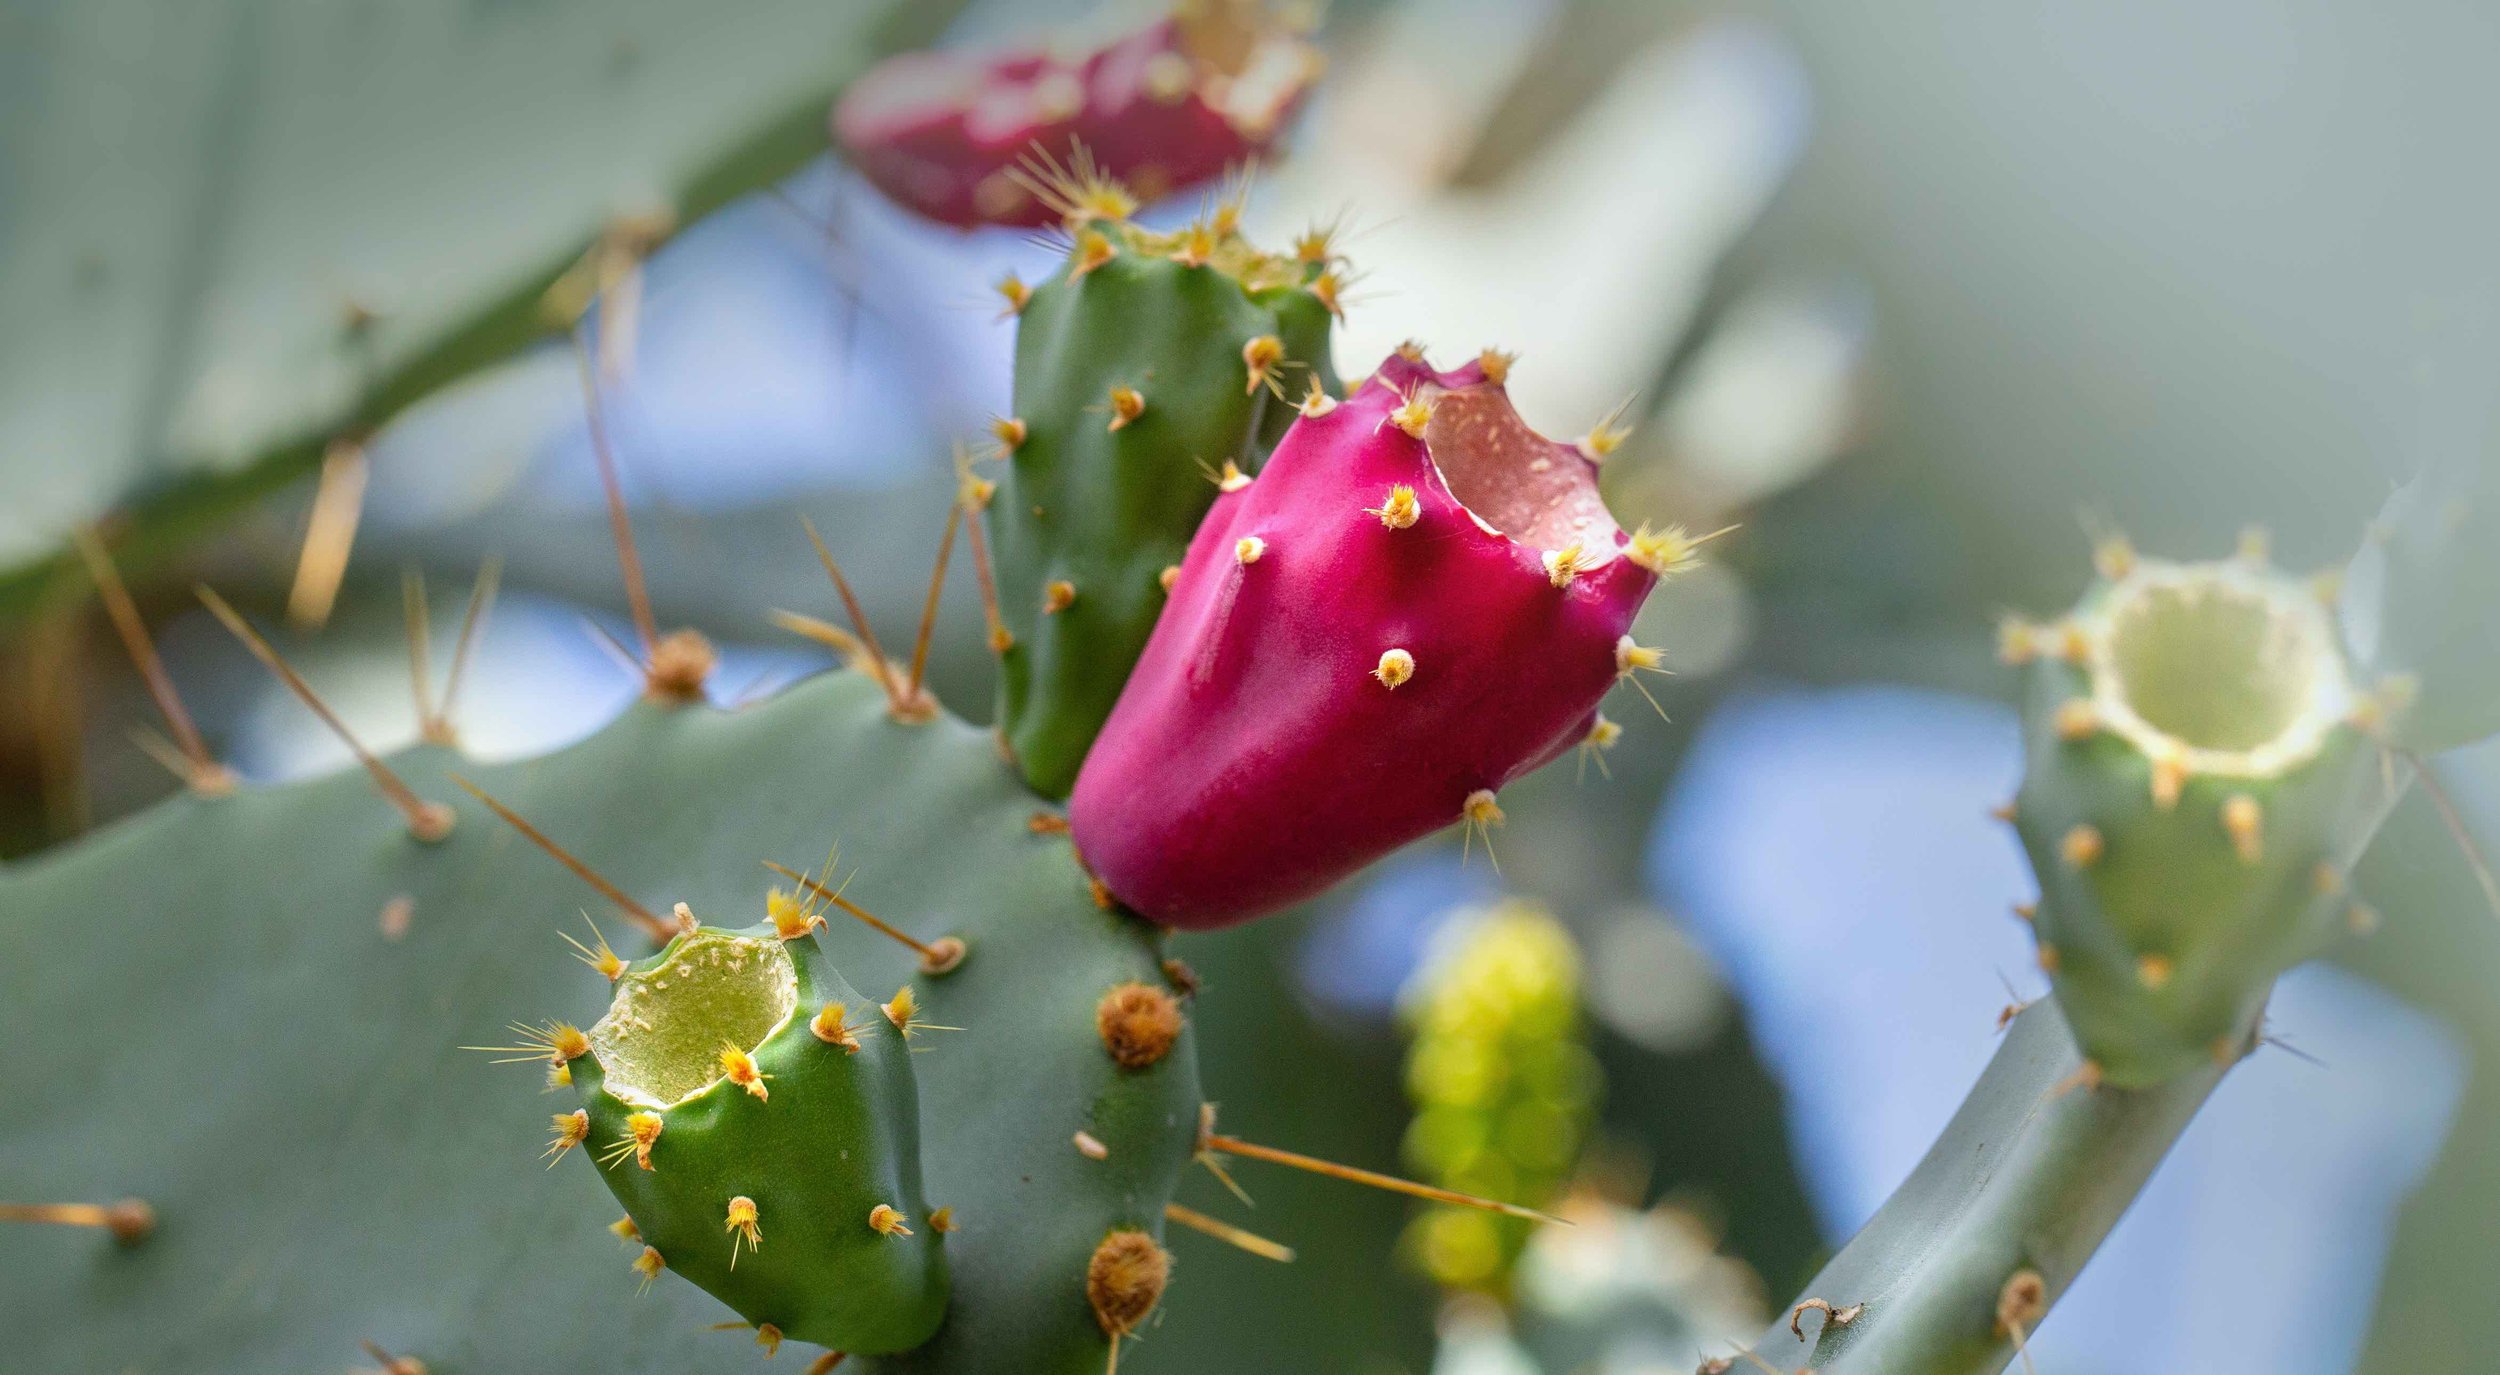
[(1504, 1087), (2418, 602), (251, 1029), (2197, 780), (757, 1118), (1149, 370)]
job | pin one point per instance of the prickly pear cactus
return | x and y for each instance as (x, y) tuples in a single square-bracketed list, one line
[(1166, 106), (1149, 371), (1504, 1086), (739, 1091), (250, 1025), (1418, 600), (2197, 782)]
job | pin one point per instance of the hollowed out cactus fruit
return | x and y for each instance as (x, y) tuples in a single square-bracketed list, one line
[(757, 1118), (1416, 601), (1164, 107), (2195, 786), (1148, 366)]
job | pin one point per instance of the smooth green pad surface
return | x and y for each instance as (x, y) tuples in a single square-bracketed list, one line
[(2169, 883), (1107, 511), (2031, 1173), (203, 1012), (199, 194), (835, 1135)]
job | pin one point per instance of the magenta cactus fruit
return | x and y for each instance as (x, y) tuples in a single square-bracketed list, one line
[(1416, 601), (1161, 108)]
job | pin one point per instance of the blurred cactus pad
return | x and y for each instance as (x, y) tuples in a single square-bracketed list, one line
[(243, 1009), (240, 231)]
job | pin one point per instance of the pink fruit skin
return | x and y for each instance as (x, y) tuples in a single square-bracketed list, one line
[(1254, 758), (941, 132)]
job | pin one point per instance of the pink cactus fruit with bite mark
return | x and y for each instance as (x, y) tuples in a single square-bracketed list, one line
[(1417, 600), (1160, 108)]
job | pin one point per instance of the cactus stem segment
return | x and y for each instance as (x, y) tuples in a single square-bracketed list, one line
[(427, 821), (1210, 1142), (879, 666), (199, 769), (1227, 1233), (940, 956), (652, 926), (129, 1221)]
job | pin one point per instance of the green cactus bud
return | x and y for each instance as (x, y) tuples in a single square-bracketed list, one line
[(1504, 1089), (2194, 780), (757, 1118), (1150, 370)]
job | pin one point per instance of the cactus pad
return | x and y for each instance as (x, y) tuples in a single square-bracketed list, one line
[(235, 1034)]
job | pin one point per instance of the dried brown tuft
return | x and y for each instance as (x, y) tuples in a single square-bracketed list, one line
[(1124, 1281), (1138, 1023)]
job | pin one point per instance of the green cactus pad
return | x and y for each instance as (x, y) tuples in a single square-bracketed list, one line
[(793, 1196), (207, 1010), (2193, 788), (1095, 505)]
